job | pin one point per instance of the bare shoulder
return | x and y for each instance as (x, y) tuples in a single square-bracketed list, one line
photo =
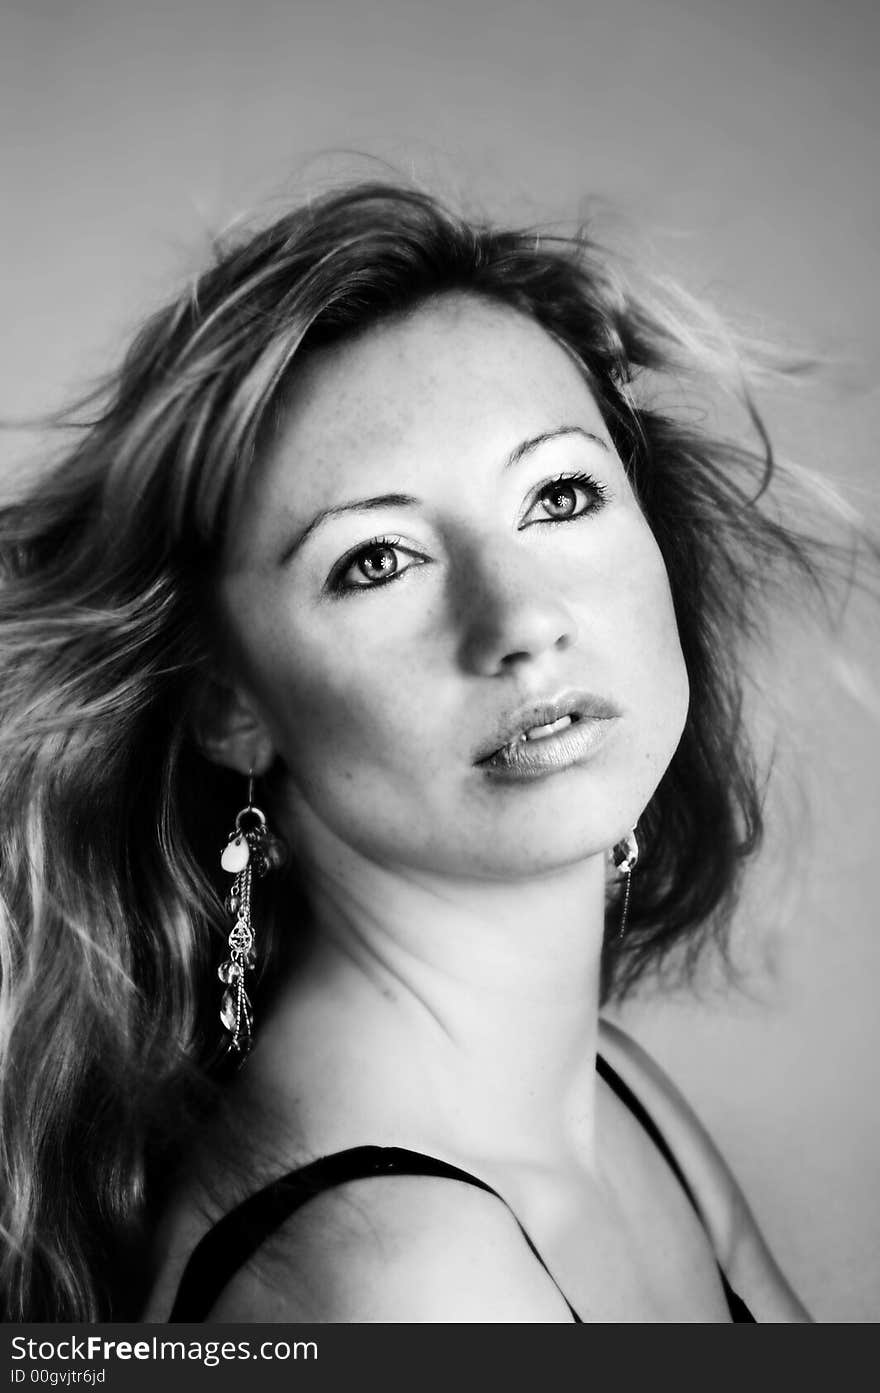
[(736, 1237), (396, 1249)]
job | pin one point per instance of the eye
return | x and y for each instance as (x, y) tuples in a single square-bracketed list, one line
[(371, 566), (570, 496)]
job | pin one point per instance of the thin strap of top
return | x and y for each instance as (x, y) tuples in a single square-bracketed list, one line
[(235, 1238), (738, 1309)]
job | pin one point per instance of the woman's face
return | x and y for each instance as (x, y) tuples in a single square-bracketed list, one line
[(408, 571)]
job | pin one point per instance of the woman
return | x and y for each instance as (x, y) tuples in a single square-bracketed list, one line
[(381, 571)]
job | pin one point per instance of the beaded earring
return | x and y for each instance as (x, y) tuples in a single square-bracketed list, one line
[(250, 851)]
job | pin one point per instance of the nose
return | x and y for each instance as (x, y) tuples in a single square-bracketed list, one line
[(510, 615)]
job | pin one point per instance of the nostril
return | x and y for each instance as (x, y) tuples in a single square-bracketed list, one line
[(510, 658), (500, 637)]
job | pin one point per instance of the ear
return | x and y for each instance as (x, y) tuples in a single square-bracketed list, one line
[(229, 731)]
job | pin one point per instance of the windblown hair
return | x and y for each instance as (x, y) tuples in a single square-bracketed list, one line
[(110, 819)]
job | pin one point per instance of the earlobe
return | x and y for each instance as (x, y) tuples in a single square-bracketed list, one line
[(229, 731)]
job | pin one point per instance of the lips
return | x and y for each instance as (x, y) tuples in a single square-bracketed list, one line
[(578, 705)]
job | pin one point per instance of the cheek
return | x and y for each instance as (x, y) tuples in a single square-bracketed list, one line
[(357, 764), (635, 616), (332, 708), (658, 667)]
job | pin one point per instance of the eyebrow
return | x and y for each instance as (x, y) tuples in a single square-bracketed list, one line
[(407, 500), (384, 500), (527, 446)]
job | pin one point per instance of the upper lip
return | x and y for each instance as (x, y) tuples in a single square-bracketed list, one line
[(583, 705)]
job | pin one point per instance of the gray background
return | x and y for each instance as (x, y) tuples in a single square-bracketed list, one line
[(741, 137)]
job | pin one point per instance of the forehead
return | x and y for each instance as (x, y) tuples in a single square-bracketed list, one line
[(460, 379)]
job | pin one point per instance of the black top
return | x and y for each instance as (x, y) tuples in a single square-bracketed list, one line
[(236, 1237)]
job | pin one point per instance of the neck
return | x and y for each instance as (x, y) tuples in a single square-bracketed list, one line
[(464, 1012)]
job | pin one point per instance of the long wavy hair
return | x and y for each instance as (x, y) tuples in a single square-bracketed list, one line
[(111, 921)]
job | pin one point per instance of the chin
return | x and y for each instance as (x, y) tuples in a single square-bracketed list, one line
[(540, 850)]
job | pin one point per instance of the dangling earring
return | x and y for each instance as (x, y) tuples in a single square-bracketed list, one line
[(250, 851), (624, 856)]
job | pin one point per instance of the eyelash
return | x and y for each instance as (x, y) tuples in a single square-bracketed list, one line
[(587, 481), (336, 583)]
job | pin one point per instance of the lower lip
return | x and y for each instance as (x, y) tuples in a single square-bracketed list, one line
[(535, 759)]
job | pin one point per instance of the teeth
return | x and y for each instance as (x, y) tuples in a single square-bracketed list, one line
[(538, 732)]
